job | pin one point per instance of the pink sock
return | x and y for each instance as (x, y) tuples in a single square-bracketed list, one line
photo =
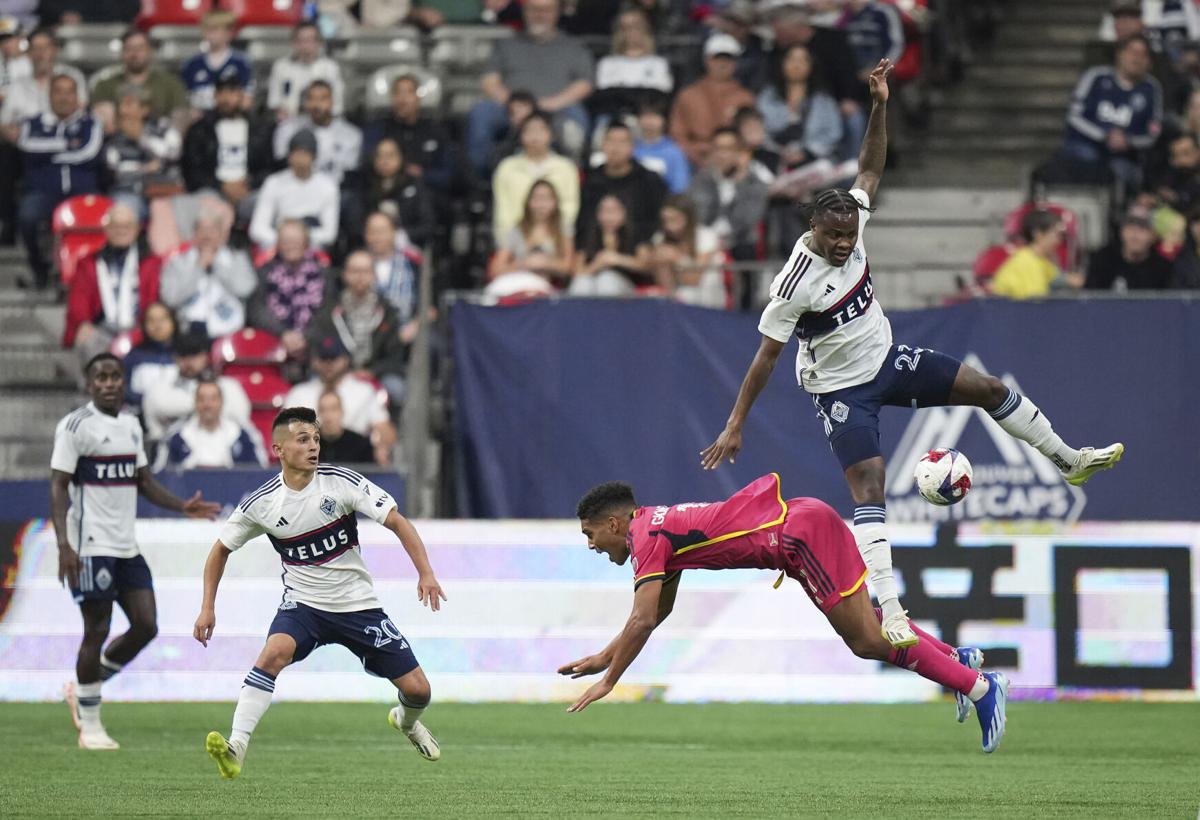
[(937, 643), (933, 664)]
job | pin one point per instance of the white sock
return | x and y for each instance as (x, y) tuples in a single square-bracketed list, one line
[(1021, 419), (108, 667), (87, 695), (980, 688), (252, 704), (410, 710), (870, 532)]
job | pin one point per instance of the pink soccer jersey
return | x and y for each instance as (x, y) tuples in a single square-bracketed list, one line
[(742, 531)]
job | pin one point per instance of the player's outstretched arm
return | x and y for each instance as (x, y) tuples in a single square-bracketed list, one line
[(157, 494), (874, 148), (729, 442), (429, 591), (214, 570), (628, 644), (68, 558)]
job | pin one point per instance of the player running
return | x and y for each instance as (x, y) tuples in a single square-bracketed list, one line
[(755, 528), (850, 366), (99, 467), (308, 513)]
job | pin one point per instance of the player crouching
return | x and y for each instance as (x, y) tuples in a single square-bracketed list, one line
[(756, 529), (308, 514)]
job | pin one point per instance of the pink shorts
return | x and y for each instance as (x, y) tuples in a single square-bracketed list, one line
[(821, 552)]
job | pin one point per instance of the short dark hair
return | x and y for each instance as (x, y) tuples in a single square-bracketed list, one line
[(653, 107), (134, 31), (540, 116), (102, 357), (1130, 40), (303, 24), (406, 78), (45, 31), (617, 125), (745, 113), (287, 415), (1038, 221), (604, 498), (835, 201), (315, 83), (521, 97), (726, 131)]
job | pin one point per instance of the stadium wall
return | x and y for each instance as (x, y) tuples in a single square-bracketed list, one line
[(634, 390), (1095, 609)]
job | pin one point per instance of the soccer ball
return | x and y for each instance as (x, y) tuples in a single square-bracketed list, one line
[(943, 476)]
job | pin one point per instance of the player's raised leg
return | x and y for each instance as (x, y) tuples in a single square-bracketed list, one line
[(866, 480), (415, 693), (83, 697), (1018, 416), (253, 701)]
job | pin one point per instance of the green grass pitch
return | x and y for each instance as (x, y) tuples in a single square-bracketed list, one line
[(342, 760)]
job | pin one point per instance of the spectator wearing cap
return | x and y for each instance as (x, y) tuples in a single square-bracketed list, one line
[(339, 143), (170, 400), (517, 174), (1132, 262), (365, 404), (55, 12), (227, 151), (640, 190), (1032, 272), (875, 32), (142, 156), (710, 102), (22, 13), (366, 324), (208, 439), (424, 143), (298, 192), (554, 67), (291, 75), (291, 288), (29, 96), (658, 152), (201, 71), (60, 155), (207, 283), (1115, 113), (339, 445), (164, 94), (111, 288)]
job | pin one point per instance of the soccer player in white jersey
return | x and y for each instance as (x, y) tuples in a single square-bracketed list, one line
[(850, 366), (99, 468), (308, 513)]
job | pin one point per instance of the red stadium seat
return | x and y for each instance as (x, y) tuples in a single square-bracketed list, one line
[(248, 351), (1069, 255), (78, 228), (172, 12), (989, 261), (265, 389), (265, 12)]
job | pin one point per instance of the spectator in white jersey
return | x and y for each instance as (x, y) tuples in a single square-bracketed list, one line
[(309, 512), (97, 471), (308, 62), (210, 439), (298, 192), (167, 402)]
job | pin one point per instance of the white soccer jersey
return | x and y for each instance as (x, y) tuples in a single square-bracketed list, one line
[(315, 532), (844, 336), (103, 454)]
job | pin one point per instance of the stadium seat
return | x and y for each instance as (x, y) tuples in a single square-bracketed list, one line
[(370, 50), (1069, 255), (77, 225), (464, 49), (379, 87), (265, 44), (88, 55), (102, 32), (248, 351), (176, 43), (989, 261), (262, 419), (266, 390), (265, 12), (172, 13)]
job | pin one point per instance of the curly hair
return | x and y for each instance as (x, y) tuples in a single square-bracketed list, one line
[(604, 498)]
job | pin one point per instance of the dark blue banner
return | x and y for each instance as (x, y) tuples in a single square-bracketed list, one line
[(554, 397)]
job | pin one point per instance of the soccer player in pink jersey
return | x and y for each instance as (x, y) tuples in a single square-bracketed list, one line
[(803, 538)]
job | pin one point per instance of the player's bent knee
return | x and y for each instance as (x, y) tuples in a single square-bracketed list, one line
[(415, 686), (144, 633), (996, 391), (868, 647)]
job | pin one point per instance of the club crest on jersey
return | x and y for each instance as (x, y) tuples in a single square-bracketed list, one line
[(104, 579), (858, 256), (839, 412), (328, 506)]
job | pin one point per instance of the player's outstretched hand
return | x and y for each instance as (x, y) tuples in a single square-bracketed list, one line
[(596, 691), (878, 80), (205, 624), (195, 507), (584, 666), (429, 592), (68, 566), (726, 446)]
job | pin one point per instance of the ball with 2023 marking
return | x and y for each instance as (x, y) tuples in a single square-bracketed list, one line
[(943, 476)]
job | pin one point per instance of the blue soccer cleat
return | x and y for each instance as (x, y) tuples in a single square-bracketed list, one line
[(972, 658), (990, 709)]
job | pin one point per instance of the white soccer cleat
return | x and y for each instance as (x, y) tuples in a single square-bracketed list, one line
[(898, 631), (72, 703), (1092, 461), (97, 740), (418, 735)]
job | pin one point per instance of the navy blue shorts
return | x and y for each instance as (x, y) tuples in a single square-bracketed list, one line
[(368, 633), (909, 377), (103, 577)]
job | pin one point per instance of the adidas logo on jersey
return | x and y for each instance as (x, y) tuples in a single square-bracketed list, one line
[(282, 522), (829, 289), (1011, 479)]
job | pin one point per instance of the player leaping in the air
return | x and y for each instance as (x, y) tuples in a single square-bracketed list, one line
[(99, 466), (308, 513), (755, 528), (850, 366)]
